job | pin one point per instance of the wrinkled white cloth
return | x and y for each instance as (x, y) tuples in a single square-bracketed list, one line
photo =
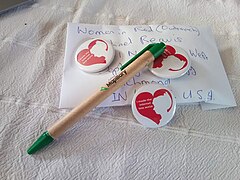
[(108, 143)]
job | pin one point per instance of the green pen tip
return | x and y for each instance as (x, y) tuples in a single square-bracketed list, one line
[(157, 49), (41, 142)]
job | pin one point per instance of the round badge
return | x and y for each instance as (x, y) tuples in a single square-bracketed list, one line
[(153, 105), (173, 63), (94, 55)]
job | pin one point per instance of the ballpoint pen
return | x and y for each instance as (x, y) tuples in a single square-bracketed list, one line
[(128, 70)]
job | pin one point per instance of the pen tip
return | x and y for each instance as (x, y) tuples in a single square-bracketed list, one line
[(41, 142), (157, 49)]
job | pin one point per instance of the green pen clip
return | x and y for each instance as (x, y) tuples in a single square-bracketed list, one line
[(157, 47)]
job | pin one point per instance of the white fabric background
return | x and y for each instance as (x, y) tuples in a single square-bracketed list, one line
[(108, 143)]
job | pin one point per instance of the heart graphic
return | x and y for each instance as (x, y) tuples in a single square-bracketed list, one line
[(86, 58), (145, 106), (170, 51)]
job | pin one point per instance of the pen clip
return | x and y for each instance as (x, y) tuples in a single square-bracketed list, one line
[(136, 56)]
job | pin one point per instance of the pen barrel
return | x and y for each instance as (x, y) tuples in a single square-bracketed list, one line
[(104, 91)]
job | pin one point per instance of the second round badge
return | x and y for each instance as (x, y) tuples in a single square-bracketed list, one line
[(173, 63)]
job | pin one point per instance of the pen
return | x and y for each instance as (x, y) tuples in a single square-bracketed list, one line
[(128, 70)]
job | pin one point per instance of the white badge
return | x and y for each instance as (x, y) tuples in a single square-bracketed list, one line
[(153, 105), (94, 55), (173, 63)]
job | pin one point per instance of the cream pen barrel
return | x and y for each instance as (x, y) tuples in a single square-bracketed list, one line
[(141, 60)]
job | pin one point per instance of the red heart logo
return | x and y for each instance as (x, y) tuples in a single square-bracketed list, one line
[(145, 106), (86, 58), (170, 51)]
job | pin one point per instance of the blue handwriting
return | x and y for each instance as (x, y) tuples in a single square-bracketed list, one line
[(119, 96), (93, 32), (197, 94), (199, 54), (146, 40)]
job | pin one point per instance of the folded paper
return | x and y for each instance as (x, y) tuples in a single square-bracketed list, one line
[(205, 82)]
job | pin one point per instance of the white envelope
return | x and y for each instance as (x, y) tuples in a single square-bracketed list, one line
[(205, 82)]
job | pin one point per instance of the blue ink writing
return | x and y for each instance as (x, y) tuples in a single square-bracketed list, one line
[(199, 54), (135, 81), (122, 32), (199, 93), (144, 29), (191, 71), (114, 70), (119, 96), (188, 29), (187, 95), (93, 32), (125, 43), (146, 40), (210, 96), (130, 53)]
